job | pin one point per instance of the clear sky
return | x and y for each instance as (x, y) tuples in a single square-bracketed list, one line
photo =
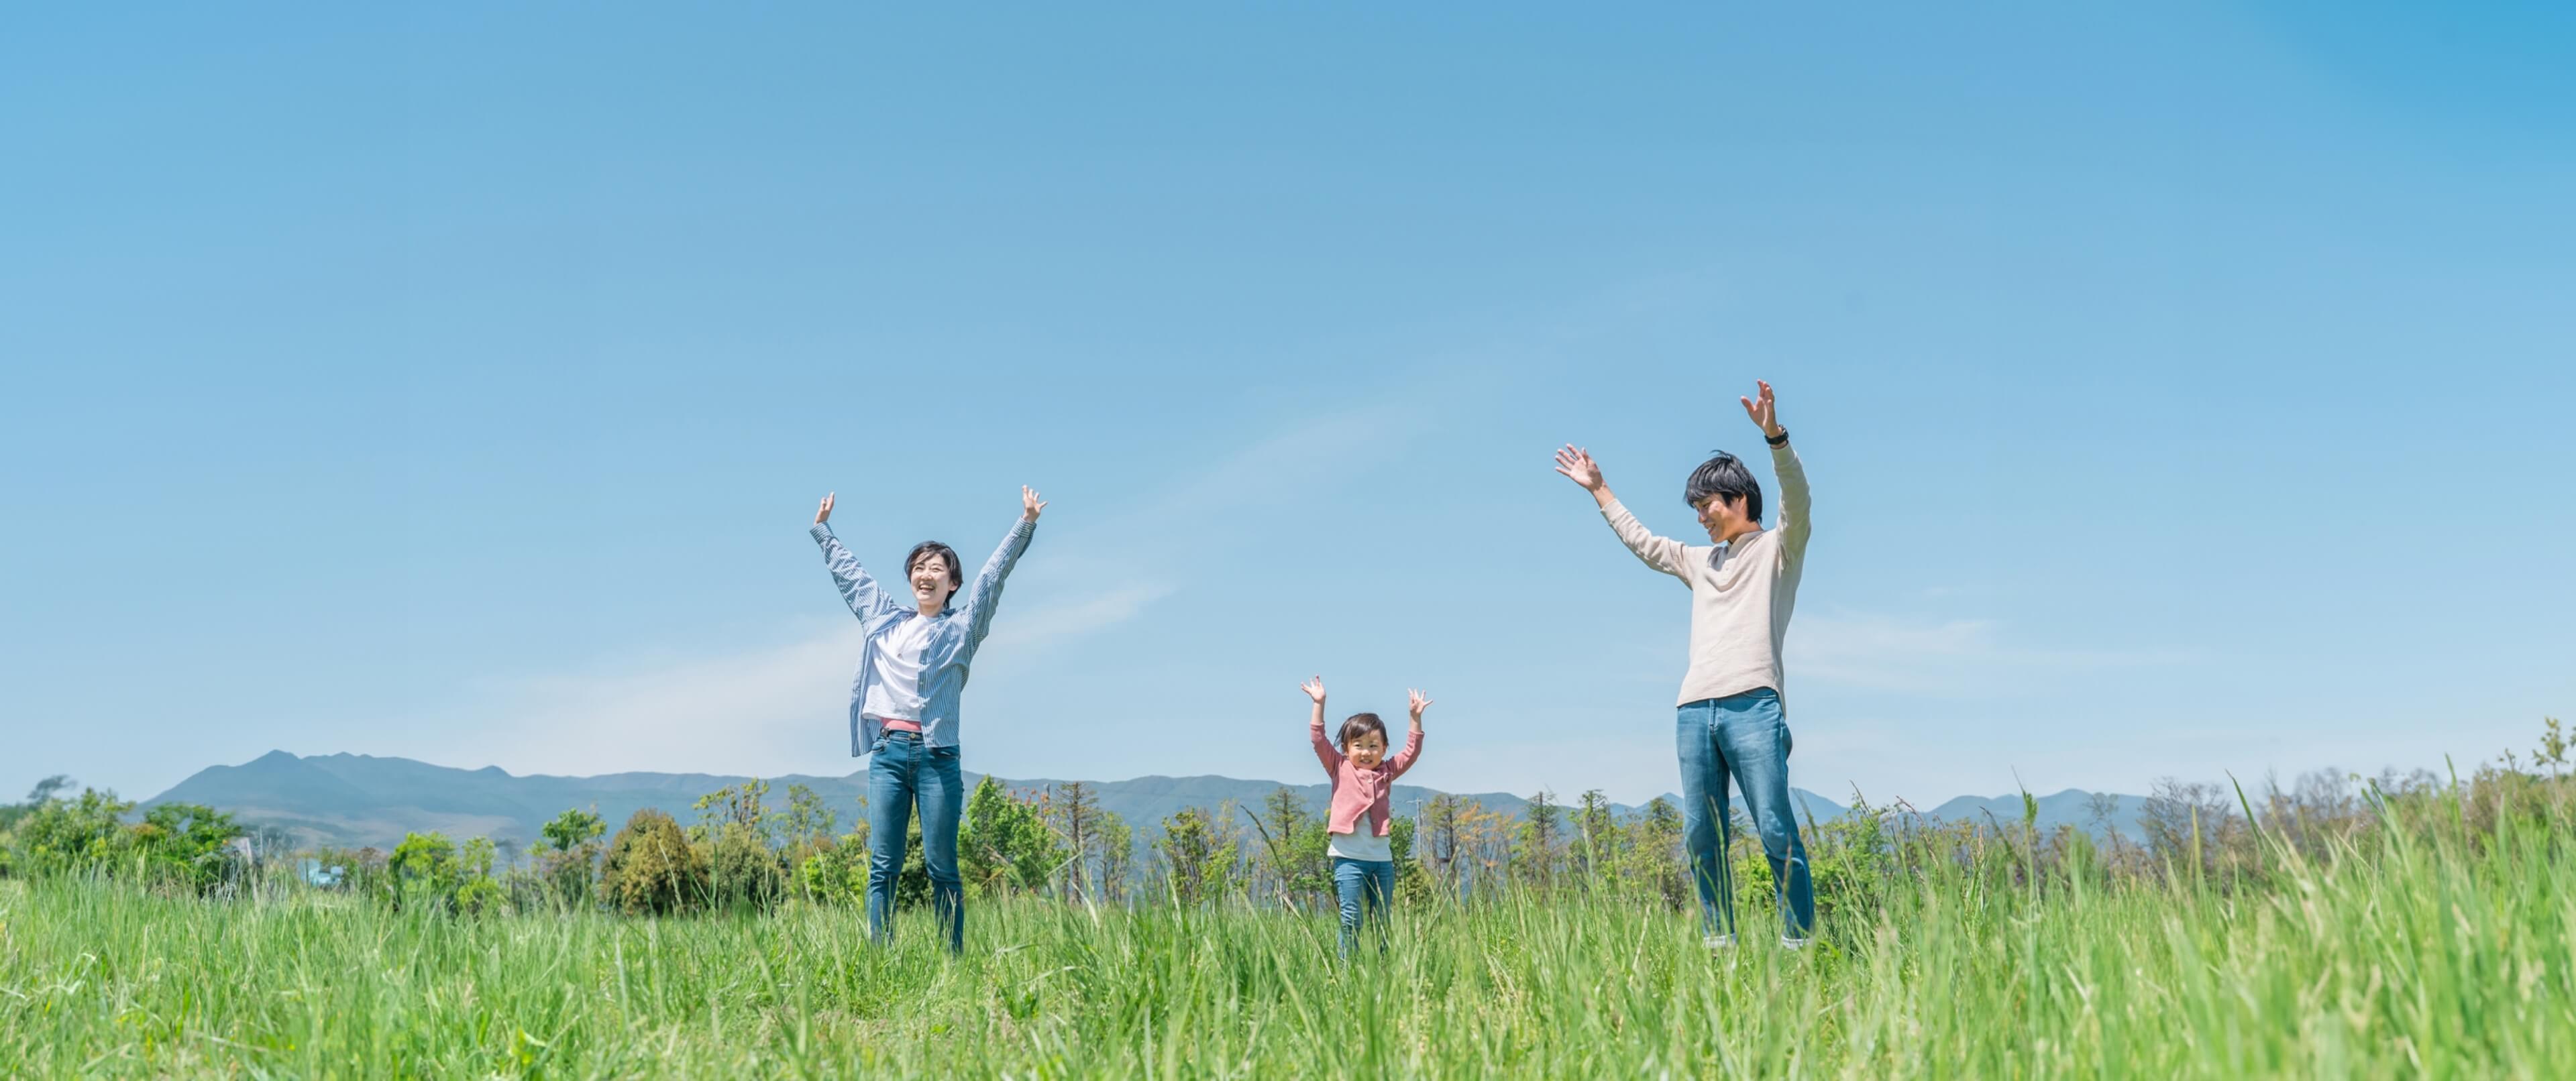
[(2185, 388)]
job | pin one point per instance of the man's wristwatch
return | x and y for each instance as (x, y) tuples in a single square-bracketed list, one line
[(1780, 440)]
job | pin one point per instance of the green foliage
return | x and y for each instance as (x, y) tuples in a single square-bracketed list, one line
[(180, 845), (188, 845), (571, 829), (1413, 885), (2553, 747), (1197, 862), (651, 869), (423, 872), (809, 820), (1004, 846), (2428, 942), (1296, 848), (733, 838), (77, 834), (1536, 848), (568, 856), (836, 871)]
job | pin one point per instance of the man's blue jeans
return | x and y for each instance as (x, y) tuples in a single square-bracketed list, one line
[(1745, 736), (1365, 887), (900, 773)]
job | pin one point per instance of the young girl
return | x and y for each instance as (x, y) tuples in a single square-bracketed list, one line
[(1363, 776)]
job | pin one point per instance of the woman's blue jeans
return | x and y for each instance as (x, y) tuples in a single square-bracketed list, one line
[(1745, 736), (903, 772), (1365, 887)]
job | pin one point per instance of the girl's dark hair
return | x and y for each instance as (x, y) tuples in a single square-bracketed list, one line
[(926, 549), (1361, 724), (1726, 476)]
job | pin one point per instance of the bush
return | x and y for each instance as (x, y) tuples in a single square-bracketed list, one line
[(651, 868), (70, 834), (189, 844), (422, 871), (570, 845), (1004, 847), (743, 871)]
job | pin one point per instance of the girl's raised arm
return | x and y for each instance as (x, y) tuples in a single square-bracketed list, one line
[(1324, 752), (1415, 703)]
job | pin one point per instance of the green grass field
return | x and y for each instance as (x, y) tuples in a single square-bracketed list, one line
[(2440, 951)]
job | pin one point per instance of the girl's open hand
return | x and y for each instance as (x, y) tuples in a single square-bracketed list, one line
[(1030, 504), (1414, 702), (1314, 689)]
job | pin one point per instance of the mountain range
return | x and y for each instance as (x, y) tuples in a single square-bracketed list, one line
[(356, 800)]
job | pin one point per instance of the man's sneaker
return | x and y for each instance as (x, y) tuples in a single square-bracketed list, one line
[(1789, 943), (1718, 942)]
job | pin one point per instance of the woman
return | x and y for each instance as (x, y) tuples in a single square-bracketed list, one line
[(903, 704)]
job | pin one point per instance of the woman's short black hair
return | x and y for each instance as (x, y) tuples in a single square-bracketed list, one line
[(1361, 724), (1726, 476), (926, 549)]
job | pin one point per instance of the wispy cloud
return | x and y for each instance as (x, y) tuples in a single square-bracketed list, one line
[(1886, 652), (776, 708), (768, 709), (1076, 617)]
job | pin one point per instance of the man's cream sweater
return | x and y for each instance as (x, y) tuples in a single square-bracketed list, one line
[(1741, 593)]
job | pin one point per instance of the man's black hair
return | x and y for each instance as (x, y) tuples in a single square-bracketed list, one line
[(1726, 476), (926, 549)]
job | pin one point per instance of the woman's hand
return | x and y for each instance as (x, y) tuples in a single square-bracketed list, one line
[(823, 513), (1030, 504), (1314, 689), (1415, 702)]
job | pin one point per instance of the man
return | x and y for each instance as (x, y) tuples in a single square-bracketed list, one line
[(1731, 721), (903, 704)]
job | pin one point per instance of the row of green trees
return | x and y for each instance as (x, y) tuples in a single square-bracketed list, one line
[(745, 851), (180, 845)]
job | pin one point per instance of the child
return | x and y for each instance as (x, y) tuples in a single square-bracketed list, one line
[(1363, 868)]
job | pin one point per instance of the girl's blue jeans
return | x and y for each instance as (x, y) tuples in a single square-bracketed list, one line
[(1365, 886)]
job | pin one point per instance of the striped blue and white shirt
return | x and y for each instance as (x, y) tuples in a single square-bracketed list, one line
[(945, 645)]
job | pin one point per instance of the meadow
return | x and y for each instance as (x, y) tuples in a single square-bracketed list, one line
[(2434, 937)]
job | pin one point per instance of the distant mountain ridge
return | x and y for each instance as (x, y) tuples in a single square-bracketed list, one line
[(359, 800)]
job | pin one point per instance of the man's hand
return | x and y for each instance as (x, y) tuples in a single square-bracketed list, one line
[(1764, 413), (1030, 504), (823, 513), (1314, 689), (1415, 703), (1576, 464)]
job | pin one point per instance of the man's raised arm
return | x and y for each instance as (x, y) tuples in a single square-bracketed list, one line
[(1662, 553), (1795, 527)]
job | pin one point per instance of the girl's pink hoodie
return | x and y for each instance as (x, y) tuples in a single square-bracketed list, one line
[(1355, 789)]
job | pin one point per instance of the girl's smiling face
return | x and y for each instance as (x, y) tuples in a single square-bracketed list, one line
[(1366, 749)]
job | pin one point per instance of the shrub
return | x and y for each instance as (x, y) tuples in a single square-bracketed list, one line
[(189, 844), (422, 871), (743, 871), (68, 834), (651, 868), (1005, 847)]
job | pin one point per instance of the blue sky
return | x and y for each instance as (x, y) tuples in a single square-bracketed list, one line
[(2184, 386)]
